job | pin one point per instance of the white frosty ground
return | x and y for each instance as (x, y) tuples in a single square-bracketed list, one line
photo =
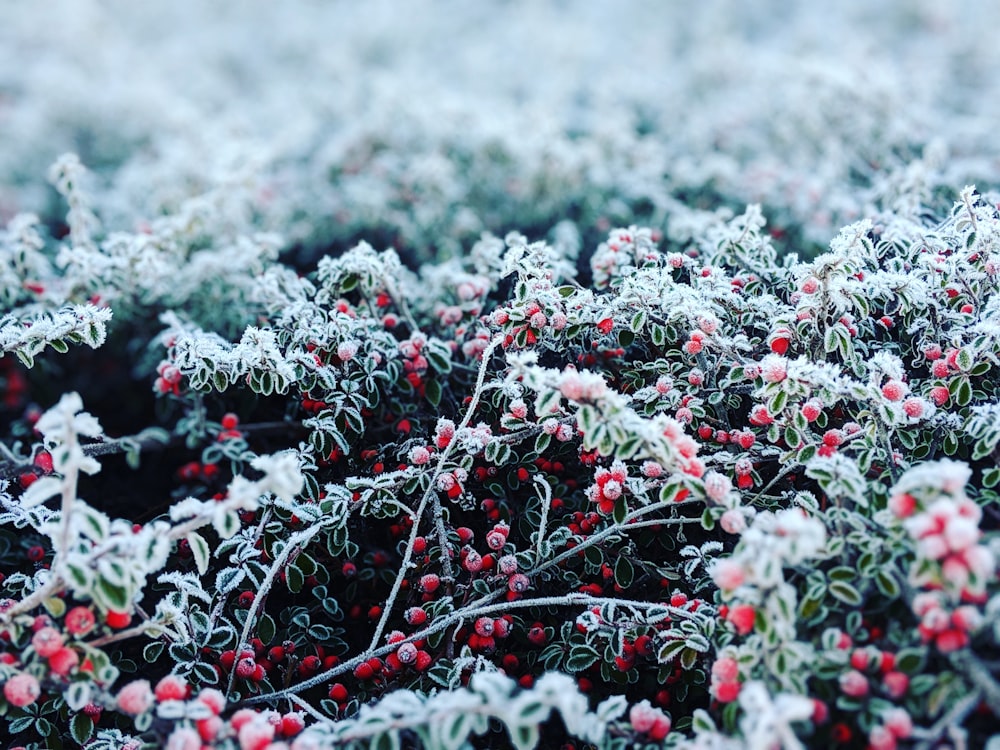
[(442, 118)]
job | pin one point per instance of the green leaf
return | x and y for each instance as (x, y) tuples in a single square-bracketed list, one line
[(387, 741), (963, 393), (707, 519), (581, 657), (433, 392), (701, 721), (294, 578), (620, 510), (96, 525), (950, 443), (541, 443), (887, 584), (523, 737), (670, 651), (227, 525), (151, 651), (111, 596), (842, 573), (200, 551), (910, 660), (845, 592), (624, 572), (438, 359), (78, 695), (777, 403), (266, 628), (792, 437), (586, 418), (205, 674)]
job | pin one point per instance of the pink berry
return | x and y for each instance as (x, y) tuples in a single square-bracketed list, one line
[(940, 368), (518, 583), (833, 438), (725, 669), (894, 390), (859, 659), (913, 407), (742, 617), (406, 653), (171, 688), (896, 684), (46, 642), (853, 684), (135, 698), (22, 690), (214, 699)]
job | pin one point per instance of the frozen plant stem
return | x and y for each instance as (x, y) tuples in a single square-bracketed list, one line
[(431, 496), (294, 544), (469, 613), (545, 493)]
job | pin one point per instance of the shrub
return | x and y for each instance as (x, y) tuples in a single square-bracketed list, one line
[(467, 509), (683, 481)]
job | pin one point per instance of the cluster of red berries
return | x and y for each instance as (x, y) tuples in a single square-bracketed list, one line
[(42, 463)]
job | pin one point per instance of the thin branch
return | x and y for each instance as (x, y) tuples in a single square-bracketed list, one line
[(431, 496)]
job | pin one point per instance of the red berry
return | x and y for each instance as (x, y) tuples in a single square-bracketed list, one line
[(742, 617), (726, 692), (227, 659), (338, 692), (63, 661), (423, 661), (230, 421), (859, 659), (536, 634), (292, 724), (779, 345), (415, 616), (245, 599), (245, 667), (309, 666), (171, 688), (43, 461), (118, 620)]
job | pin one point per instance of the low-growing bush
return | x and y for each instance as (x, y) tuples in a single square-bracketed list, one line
[(530, 374), (717, 497)]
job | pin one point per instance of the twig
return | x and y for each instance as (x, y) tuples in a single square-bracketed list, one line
[(431, 496), (568, 600)]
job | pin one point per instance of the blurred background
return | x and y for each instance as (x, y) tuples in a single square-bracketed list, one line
[(424, 123)]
